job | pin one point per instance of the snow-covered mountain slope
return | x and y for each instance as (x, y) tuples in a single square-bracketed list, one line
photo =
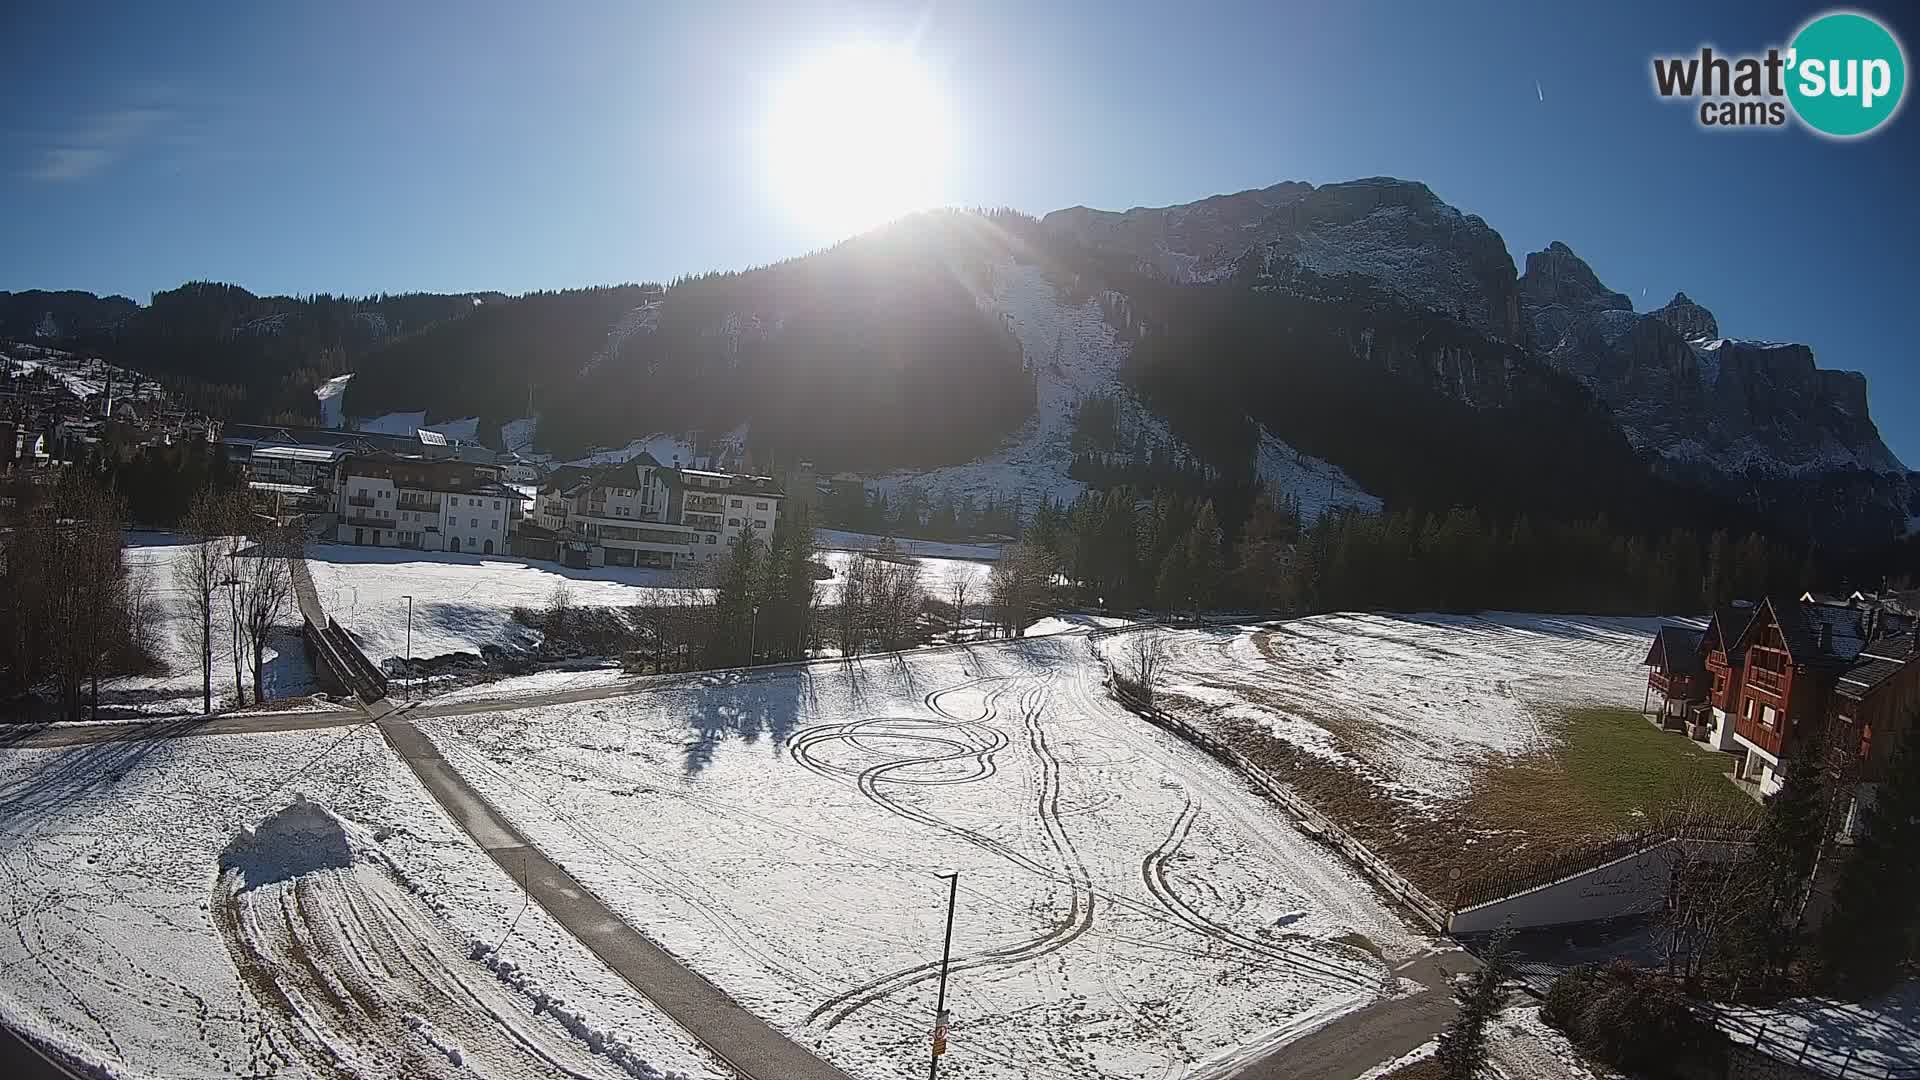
[(725, 451), (1076, 352), (83, 376), (332, 396)]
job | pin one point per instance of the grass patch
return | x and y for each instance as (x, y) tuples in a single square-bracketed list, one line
[(1612, 772)]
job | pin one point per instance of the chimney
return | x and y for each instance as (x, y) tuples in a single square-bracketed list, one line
[(1826, 637)]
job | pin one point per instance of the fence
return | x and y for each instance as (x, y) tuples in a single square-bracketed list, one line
[(1803, 1051), (1499, 885), (1422, 905)]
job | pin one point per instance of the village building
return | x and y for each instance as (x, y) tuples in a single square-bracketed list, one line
[(643, 513), (389, 500), (1761, 679)]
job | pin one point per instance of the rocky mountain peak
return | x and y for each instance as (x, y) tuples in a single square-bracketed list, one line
[(1556, 277), (1688, 319)]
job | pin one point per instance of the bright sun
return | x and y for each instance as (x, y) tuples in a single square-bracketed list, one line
[(855, 138)]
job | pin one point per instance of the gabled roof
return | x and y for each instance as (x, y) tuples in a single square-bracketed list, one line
[(1818, 635), (1728, 627), (1676, 649)]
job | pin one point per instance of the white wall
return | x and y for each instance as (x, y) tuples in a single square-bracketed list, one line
[(1631, 885)]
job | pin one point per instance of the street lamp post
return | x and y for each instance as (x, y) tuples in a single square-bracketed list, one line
[(409, 646), (753, 631), (946, 958)]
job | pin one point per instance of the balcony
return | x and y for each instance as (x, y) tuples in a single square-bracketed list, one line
[(1771, 683), (358, 500), (712, 504), (420, 504), (1770, 739)]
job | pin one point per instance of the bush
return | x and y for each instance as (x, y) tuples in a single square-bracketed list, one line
[(1633, 1021)]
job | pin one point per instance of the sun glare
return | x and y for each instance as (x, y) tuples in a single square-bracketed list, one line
[(856, 137)]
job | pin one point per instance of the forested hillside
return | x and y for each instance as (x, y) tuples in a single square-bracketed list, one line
[(872, 354)]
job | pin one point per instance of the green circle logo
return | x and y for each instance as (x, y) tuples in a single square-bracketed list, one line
[(1846, 74)]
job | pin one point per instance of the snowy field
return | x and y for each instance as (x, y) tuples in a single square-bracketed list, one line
[(841, 540), (1126, 907), (144, 937), (173, 623), (938, 577), (1414, 700), (464, 602), (460, 602)]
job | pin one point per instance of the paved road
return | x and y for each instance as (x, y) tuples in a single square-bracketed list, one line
[(737, 1036), (1366, 1037), (35, 735)]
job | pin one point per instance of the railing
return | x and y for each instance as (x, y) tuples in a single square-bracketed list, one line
[(1766, 738), (1803, 1050), (1567, 862), (368, 522), (1771, 682), (420, 504), (356, 500)]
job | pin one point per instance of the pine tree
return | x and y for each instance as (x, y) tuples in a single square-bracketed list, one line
[(1481, 996), (1206, 562), (1875, 923), (1761, 945)]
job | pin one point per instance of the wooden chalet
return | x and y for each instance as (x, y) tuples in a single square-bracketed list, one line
[(1677, 677), (1725, 662), (1814, 669)]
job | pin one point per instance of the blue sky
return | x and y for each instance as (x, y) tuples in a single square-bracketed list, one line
[(385, 147)]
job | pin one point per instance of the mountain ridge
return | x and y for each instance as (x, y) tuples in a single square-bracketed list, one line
[(922, 344)]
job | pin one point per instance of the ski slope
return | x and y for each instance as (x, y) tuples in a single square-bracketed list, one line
[(1074, 351), (1126, 907), (151, 936)]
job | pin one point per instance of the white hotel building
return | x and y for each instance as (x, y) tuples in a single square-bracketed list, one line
[(387, 500)]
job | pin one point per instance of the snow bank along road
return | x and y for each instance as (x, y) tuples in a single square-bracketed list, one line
[(1128, 909)]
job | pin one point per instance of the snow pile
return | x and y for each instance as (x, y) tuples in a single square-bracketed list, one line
[(332, 396), (299, 838), (615, 1046)]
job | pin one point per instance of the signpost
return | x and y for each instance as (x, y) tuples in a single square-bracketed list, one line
[(946, 958)]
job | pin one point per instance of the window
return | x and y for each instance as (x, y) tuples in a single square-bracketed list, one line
[(760, 524), (709, 540), (473, 523), (733, 522), (737, 502), (496, 504), (761, 505)]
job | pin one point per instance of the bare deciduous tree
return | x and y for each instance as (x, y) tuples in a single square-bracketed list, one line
[(200, 573), (263, 589), (1141, 660)]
